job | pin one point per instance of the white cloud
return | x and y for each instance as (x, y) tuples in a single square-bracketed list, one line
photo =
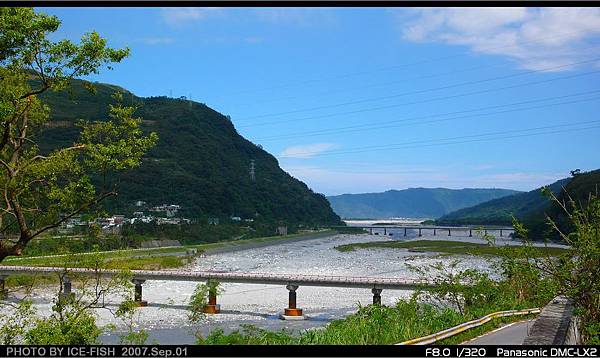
[(306, 151), (182, 15), (536, 38)]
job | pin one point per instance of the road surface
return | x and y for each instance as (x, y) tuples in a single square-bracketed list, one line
[(513, 333)]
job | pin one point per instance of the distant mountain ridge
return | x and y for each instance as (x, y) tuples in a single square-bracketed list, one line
[(413, 202)]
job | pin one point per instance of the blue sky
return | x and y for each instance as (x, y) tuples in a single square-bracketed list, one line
[(357, 100)]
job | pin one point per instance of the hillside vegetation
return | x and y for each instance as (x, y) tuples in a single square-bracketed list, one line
[(414, 202), (531, 208), (200, 161), (500, 211)]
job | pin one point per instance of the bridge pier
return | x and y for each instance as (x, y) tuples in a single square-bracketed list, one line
[(376, 295), (384, 231), (212, 307), (292, 313), (434, 230), (3, 290), (470, 232), (371, 231), (449, 234), (420, 232), (137, 295), (500, 232), (67, 292), (404, 231)]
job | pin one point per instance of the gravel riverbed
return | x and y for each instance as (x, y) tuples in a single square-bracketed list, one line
[(166, 315)]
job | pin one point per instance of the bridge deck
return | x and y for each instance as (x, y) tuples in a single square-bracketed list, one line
[(429, 227), (257, 278)]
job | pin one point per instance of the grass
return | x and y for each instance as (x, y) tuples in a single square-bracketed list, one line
[(372, 324), (484, 328), (444, 247)]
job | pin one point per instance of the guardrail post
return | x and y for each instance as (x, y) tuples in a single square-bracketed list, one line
[(137, 296), (470, 232), (3, 290), (376, 295), (292, 312), (434, 230), (449, 232), (212, 307)]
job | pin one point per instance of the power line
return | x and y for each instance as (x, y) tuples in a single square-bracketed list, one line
[(428, 100), (457, 140), (346, 89), (409, 64), (468, 83), (371, 126)]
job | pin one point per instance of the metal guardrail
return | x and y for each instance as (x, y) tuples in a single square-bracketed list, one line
[(432, 338), (258, 278)]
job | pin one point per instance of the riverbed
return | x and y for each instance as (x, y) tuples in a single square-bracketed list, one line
[(166, 315)]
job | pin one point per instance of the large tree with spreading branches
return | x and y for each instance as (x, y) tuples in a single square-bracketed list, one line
[(39, 191)]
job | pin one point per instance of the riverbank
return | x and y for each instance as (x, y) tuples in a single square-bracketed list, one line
[(138, 258), (448, 247)]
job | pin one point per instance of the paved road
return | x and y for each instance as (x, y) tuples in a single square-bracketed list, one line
[(513, 333)]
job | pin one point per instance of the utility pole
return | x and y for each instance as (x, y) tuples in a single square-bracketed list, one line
[(252, 170)]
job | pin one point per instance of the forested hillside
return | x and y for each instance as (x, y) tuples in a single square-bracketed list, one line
[(500, 211), (200, 161), (532, 208), (414, 202)]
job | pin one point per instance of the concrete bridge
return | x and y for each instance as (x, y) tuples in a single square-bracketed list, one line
[(387, 229), (291, 282)]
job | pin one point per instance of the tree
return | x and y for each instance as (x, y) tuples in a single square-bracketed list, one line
[(39, 191)]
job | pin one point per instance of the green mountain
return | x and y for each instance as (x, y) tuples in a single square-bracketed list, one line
[(500, 211), (579, 189), (200, 162), (531, 207), (414, 202)]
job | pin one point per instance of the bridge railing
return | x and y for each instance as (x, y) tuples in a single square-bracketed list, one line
[(291, 281)]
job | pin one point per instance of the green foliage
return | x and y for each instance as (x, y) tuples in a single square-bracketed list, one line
[(414, 202), (42, 189), (73, 329), (373, 324), (578, 272), (13, 326), (127, 312), (199, 299)]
